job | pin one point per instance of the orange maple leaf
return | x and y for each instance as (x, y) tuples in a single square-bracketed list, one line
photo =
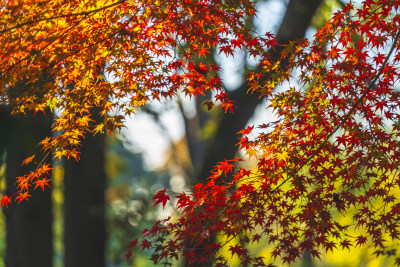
[(23, 183), (28, 160), (43, 170), (42, 183), (22, 196)]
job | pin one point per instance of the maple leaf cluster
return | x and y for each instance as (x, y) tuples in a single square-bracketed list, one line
[(24, 183), (114, 56), (333, 152)]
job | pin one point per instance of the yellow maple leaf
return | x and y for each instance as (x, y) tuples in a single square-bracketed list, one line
[(282, 156)]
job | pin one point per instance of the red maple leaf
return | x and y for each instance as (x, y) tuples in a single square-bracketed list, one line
[(225, 166), (247, 130), (209, 105), (5, 200), (237, 249), (131, 245), (161, 197), (145, 244)]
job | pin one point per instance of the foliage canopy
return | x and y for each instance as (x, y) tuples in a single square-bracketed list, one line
[(333, 148)]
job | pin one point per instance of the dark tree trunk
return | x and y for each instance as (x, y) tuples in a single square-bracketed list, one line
[(85, 184), (29, 224)]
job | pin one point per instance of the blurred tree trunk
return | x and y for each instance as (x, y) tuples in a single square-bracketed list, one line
[(84, 204), (28, 224), (223, 145), (294, 25)]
